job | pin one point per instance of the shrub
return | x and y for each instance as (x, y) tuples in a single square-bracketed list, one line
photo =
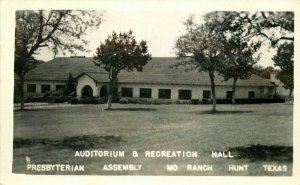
[(55, 96), (89, 100), (102, 100), (155, 102), (35, 97), (183, 102), (259, 100), (85, 100), (206, 101), (129, 100), (141, 101), (132, 100), (164, 101), (54, 93), (195, 101), (224, 101), (245, 101), (123, 101), (74, 100), (116, 97), (59, 99)]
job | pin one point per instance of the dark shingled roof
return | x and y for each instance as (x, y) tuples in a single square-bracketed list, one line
[(157, 71)]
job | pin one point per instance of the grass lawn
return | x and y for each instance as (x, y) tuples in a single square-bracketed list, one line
[(256, 134)]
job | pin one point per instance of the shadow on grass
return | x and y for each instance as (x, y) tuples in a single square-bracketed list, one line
[(223, 112), (264, 153), (74, 143), (36, 109), (131, 109)]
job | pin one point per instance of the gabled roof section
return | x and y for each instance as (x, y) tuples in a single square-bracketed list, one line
[(95, 76), (157, 71), (59, 68)]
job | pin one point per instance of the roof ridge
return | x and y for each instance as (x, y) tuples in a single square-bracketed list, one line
[(81, 57), (94, 72), (261, 78)]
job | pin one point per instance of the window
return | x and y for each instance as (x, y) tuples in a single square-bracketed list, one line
[(251, 94), (206, 94), (31, 88), (45, 88), (228, 94), (103, 91), (164, 93), (60, 87), (184, 94), (145, 93), (127, 92)]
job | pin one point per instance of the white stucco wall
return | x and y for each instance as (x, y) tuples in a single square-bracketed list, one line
[(241, 91), (86, 80), (197, 91), (40, 83)]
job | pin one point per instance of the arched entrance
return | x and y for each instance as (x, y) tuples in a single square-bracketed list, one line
[(87, 91), (103, 91)]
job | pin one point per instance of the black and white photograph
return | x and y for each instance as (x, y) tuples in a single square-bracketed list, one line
[(161, 92)]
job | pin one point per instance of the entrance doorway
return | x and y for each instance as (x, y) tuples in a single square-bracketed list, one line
[(87, 91)]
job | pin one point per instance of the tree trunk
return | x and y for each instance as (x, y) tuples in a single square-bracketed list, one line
[(213, 91), (111, 88), (233, 90), (109, 101), (290, 94), (110, 95), (22, 97)]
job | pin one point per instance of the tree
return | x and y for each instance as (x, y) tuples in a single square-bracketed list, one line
[(284, 59), (239, 54), (239, 62), (275, 27), (264, 72), (120, 52), (202, 48), (57, 30), (71, 86)]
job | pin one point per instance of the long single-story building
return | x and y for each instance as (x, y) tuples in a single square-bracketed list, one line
[(157, 81)]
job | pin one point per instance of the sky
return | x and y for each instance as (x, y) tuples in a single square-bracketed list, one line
[(159, 28)]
